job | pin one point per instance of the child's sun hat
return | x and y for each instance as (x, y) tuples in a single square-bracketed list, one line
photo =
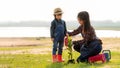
[(58, 11)]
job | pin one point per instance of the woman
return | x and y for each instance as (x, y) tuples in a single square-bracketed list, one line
[(90, 45)]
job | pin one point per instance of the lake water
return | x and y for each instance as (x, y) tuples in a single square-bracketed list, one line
[(45, 32)]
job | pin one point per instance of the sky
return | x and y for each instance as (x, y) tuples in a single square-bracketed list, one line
[(42, 10)]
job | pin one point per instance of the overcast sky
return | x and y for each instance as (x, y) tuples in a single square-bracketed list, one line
[(42, 10)]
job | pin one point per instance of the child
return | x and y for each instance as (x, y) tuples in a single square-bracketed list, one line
[(90, 45), (58, 32)]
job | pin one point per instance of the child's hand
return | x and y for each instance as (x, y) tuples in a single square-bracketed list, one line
[(67, 34), (52, 39)]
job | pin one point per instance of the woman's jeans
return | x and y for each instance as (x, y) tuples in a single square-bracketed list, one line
[(57, 46), (92, 49)]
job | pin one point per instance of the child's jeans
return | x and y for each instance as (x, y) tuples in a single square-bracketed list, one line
[(57, 46)]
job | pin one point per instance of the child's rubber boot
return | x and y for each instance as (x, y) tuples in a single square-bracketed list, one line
[(54, 57), (59, 58)]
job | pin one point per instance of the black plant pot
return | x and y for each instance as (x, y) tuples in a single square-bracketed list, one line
[(72, 61)]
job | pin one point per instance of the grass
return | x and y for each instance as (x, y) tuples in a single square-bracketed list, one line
[(27, 60), (21, 48), (44, 61)]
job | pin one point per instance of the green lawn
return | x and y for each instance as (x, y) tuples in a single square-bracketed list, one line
[(44, 61), (21, 48), (28, 60)]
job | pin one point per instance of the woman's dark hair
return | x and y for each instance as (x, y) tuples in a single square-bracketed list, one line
[(84, 15)]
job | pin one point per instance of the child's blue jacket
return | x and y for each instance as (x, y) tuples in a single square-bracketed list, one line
[(58, 29)]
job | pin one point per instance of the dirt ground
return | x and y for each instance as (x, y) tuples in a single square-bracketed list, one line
[(108, 43), (5, 42)]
